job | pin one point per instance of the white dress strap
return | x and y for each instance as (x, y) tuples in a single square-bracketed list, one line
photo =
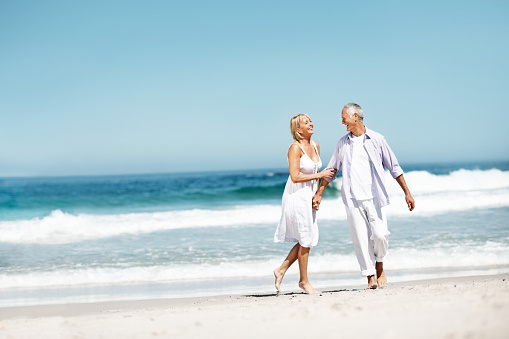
[(302, 149), (316, 149)]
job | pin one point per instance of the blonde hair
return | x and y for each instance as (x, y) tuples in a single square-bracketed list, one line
[(295, 123)]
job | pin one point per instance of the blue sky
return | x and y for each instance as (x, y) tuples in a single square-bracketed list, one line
[(113, 87)]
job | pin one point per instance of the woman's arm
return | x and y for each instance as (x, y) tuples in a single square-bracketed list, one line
[(294, 166)]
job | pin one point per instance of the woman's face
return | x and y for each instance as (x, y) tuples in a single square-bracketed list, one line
[(305, 127)]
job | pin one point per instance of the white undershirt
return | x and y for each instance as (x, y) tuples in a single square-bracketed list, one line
[(362, 182)]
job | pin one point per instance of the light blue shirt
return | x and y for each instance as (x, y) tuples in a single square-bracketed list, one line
[(380, 156)]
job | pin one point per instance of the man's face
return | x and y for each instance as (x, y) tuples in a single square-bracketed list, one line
[(348, 120)]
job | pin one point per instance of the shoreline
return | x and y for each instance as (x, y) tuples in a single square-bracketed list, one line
[(214, 288), (457, 307)]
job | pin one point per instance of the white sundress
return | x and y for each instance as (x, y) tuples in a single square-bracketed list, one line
[(298, 218)]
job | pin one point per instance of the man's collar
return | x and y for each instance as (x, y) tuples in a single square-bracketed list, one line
[(368, 133)]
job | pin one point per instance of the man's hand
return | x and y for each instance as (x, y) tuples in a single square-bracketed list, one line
[(408, 197), (317, 199), (410, 202)]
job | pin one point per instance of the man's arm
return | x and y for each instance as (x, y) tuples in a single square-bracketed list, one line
[(335, 164), (389, 160), (408, 197), (317, 199)]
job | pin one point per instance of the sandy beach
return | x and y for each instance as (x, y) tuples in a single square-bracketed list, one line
[(466, 307)]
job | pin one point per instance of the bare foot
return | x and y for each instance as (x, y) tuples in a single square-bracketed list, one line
[(306, 286), (372, 282), (279, 278), (380, 274)]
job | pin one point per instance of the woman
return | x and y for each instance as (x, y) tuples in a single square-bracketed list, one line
[(298, 218)]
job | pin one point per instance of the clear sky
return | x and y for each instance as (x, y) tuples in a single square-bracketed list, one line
[(113, 87)]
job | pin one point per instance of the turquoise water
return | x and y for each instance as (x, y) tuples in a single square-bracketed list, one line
[(75, 239)]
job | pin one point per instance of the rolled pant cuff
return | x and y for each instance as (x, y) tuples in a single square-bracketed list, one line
[(367, 273), (381, 259)]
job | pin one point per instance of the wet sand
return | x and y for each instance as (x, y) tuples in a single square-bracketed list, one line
[(466, 307)]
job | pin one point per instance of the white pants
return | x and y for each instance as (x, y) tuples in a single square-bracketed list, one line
[(370, 236)]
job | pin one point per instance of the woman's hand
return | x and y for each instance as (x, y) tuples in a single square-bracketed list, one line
[(327, 173)]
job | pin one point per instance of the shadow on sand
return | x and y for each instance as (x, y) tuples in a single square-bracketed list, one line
[(298, 293)]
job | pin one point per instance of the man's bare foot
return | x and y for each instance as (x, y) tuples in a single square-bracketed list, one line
[(306, 286), (279, 278), (372, 282), (380, 274)]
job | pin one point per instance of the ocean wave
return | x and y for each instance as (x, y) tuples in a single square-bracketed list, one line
[(434, 194), (487, 255), (421, 182), (60, 227)]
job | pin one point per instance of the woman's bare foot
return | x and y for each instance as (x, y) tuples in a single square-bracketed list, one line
[(372, 282), (279, 278), (380, 274), (306, 286)]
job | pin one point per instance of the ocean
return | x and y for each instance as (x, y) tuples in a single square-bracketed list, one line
[(131, 237)]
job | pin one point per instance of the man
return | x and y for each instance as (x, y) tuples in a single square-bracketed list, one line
[(362, 155)]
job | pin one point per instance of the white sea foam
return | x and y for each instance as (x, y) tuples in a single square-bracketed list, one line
[(422, 182), (457, 181), (60, 227), (458, 191), (487, 255), (434, 194)]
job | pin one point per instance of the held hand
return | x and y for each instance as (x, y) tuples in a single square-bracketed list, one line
[(410, 202), (317, 199), (328, 173)]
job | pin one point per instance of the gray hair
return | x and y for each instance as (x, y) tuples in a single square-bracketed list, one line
[(352, 108)]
